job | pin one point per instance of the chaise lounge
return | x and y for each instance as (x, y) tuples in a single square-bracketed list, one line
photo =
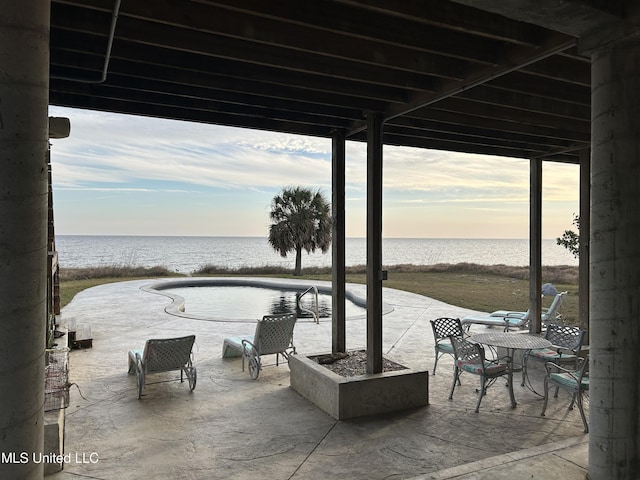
[(273, 335), (164, 355), (509, 320)]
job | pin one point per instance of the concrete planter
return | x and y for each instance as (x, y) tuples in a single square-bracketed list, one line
[(359, 396)]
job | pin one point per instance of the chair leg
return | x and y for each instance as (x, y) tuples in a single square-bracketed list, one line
[(456, 379), (525, 357), (435, 364), (546, 396), (581, 408), (481, 393)]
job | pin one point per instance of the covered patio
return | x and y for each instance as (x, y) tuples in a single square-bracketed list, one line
[(541, 80), (233, 427)]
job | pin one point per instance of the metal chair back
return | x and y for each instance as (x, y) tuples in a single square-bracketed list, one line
[(274, 333), (565, 337), (163, 355)]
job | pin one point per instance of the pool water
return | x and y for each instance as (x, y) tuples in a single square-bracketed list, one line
[(242, 302)]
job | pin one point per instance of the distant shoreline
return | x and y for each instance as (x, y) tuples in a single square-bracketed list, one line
[(116, 235), (188, 254)]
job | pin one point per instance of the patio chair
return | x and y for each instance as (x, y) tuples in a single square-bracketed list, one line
[(566, 343), (164, 355), (273, 335), (574, 381), (508, 319), (470, 357), (443, 329)]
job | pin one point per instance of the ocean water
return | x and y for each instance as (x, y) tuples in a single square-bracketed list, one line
[(188, 254)]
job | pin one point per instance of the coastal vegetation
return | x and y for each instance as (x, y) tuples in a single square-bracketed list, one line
[(477, 287), (570, 239)]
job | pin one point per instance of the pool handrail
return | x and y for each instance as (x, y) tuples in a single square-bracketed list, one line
[(316, 313)]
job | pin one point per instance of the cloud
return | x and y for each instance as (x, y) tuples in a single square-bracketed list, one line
[(108, 148), (129, 155)]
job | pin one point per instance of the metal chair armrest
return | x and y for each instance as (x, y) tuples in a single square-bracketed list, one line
[(551, 366)]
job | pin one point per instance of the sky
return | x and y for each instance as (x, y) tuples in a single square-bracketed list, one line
[(128, 175)]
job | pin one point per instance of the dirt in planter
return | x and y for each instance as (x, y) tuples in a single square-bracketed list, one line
[(353, 363)]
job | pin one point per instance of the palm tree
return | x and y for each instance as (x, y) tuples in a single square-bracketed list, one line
[(300, 219)]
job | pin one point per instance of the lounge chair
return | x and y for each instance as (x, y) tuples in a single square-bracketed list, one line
[(273, 335), (509, 320), (164, 355)]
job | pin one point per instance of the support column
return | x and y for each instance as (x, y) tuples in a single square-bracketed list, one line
[(583, 242), (24, 56), (614, 439), (338, 342), (374, 242), (535, 244)]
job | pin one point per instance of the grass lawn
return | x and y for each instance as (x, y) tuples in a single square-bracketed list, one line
[(483, 288)]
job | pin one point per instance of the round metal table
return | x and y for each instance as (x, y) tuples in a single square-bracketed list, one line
[(512, 342)]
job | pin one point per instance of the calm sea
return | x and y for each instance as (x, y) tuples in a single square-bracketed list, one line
[(188, 254)]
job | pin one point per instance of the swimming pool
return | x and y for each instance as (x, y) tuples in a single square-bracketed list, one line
[(248, 299)]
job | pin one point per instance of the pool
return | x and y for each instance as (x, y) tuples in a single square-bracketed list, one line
[(248, 299)]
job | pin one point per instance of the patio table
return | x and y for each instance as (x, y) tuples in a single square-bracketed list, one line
[(512, 342)]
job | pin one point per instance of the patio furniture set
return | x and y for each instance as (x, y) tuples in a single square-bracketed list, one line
[(495, 355), (559, 349)]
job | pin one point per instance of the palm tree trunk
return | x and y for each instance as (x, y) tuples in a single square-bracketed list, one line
[(298, 269)]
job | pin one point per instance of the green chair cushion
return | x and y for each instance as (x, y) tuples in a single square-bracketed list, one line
[(445, 346), (476, 368), (569, 381), (551, 355)]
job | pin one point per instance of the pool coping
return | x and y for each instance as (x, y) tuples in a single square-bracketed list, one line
[(176, 307)]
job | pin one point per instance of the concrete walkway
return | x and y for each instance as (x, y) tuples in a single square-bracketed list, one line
[(235, 427)]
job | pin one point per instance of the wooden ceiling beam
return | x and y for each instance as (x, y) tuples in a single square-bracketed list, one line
[(379, 28), (146, 52), (319, 89), (527, 84), (207, 93), (417, 125), (129, 107), (460, 119), (211, 107), (457, 17), (489, 111), (510, 99), (196, 23), (560, 67), (516, 58)]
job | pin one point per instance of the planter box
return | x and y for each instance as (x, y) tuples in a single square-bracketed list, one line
[(358, 396)]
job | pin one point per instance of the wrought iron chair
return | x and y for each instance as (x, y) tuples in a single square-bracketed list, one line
[(443, 329), (574, 381), (566, 343), (164, 355), (273, 335), (470, 357)]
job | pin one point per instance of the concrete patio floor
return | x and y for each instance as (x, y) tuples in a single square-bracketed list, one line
[(235, 427)]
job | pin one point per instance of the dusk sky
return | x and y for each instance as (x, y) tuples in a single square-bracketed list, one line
[(127, 175)]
